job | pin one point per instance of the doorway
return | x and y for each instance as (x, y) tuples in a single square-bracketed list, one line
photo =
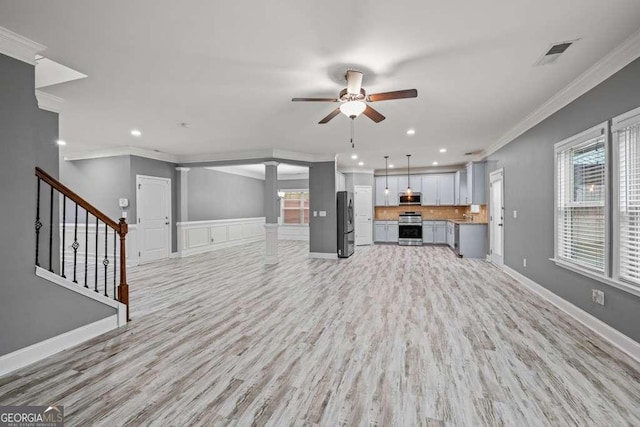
[(496, 217), (364, 215), (153, 201)]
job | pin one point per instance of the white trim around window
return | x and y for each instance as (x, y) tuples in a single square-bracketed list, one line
[(583, 239), (626, 185)]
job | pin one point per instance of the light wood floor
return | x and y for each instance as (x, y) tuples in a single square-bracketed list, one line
[(391, 336)]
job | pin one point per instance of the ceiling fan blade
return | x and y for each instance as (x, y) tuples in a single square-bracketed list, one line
[(373, 114), (314, 99), (398, 94), (330, 116)]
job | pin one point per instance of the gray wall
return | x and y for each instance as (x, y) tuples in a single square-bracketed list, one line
[(101, 182), (323, 237), (31, 309), (353, 179), (528, 164), (159, 169), (293, 184), (219, 195)]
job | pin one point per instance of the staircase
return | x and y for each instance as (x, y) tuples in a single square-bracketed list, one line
[(83, 246)]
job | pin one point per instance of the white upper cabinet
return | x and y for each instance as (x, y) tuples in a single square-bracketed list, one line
[(476, 183), (438, 189), (393, 198), (446, 189), (383, 199), (460, 187), (429, 190)]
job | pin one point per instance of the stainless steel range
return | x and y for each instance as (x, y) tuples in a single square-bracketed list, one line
[(410, 229)]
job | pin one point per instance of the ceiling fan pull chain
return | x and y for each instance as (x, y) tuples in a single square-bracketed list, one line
[(353, 145)]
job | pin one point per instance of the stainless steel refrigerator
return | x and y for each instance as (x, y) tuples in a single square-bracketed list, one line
[(346, 218)]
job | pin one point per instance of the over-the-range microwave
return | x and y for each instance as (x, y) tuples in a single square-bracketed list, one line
[(410, 199)]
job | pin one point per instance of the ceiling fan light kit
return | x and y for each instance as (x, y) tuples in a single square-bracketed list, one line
[(353, 109), (354, 99)]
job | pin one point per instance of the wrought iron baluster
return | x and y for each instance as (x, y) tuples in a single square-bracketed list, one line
[(51, 231), (105, 262), (75, 245), (86, 247), (95, 288), (115, 262), (64, 228), (38, 224)]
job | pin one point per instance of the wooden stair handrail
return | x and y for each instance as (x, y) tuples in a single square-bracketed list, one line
[(120, 227), (77, 199)]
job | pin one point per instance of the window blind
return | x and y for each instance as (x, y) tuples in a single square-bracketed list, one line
[(629, 199), (581, 204)]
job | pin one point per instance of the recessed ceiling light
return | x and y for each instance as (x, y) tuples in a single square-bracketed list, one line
[(435, 163), (360, 163), (443, 150), (411, 132), (61, 142), (390, 166), (136, 132), (354, 156)]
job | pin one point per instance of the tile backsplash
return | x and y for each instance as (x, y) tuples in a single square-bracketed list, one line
[(430, 212)]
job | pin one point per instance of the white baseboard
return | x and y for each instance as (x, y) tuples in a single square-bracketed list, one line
[(33, 353), (615, 337), (322, 255)]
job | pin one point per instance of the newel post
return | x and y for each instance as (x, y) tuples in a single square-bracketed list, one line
[(123, 288)]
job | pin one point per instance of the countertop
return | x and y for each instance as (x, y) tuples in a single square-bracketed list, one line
[(466, 222)]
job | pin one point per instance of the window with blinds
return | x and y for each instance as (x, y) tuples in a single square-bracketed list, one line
[(581, 229), (628, 238)]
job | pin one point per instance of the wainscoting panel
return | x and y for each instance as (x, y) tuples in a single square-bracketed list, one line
[(203, 236), (293, 232)]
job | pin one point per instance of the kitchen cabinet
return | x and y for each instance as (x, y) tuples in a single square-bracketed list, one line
[(451, 237), (472, 240), (476, 183), (434, 232), (403, 183), (438, 189), (385, 231), (460, 187), (382, 199)]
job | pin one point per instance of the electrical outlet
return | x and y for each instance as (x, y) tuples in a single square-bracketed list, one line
[(515, 214), (597, 296), (524, 262)]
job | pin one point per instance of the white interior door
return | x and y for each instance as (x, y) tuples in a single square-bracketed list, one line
[(496, 217), (364, 215), (153, 199)]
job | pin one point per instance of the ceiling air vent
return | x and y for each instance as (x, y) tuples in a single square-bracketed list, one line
[(554, 51)]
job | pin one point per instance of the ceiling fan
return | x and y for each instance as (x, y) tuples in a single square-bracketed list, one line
[(353, 99)]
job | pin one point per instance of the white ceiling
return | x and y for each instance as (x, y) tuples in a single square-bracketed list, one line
[(285, 171), (230, 69)]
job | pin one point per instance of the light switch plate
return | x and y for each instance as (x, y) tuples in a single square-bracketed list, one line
[(515, 214), (323, 213), (315, 213)]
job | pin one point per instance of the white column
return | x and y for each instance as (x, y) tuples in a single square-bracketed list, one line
[(271, 204), (183, 203)]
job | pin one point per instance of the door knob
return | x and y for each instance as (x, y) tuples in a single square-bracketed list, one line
[(499, 225), (166, 223)]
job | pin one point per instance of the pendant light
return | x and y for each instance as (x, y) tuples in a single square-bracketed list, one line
[(386, 174), (408, 174)]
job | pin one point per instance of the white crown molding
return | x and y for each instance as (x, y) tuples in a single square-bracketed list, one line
[(614, 61), (19, 47), (181, 169), (49, 102), (120, 151), (354, 170), (166, 157), (271, 163), (257, 154)]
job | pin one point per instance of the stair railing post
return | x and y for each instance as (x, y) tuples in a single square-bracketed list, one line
[(123, 288)]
